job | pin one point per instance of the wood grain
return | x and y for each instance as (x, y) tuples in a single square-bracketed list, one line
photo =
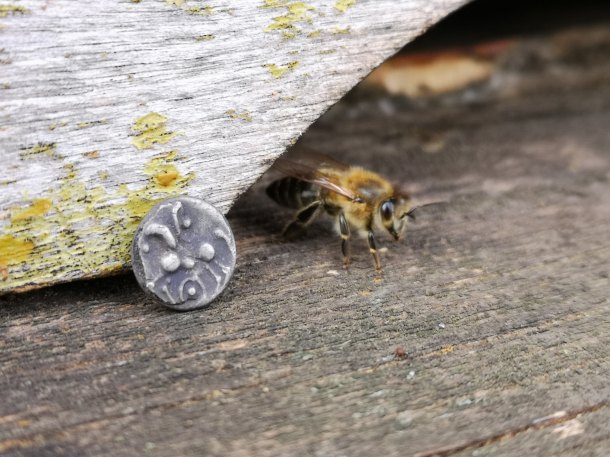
[(108, 107), (488, 335)]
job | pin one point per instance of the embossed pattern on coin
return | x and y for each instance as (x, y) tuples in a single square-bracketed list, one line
[(184, 253)]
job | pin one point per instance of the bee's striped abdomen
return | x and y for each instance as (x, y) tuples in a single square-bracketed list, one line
[(292, 192)]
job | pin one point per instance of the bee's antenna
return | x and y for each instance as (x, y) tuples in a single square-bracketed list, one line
[(410, 214)]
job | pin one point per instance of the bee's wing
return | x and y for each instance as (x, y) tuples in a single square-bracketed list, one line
[(310, 165), (312, 158)]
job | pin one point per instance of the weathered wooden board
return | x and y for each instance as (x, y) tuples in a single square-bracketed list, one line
[(499, 302), (108, 107)]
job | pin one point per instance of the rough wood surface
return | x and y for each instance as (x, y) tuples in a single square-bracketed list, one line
[(108, 107), (489, 334)]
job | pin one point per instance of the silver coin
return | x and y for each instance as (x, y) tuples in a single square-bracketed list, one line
[(184, 253)]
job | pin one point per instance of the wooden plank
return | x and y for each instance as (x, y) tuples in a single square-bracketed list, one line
[(108, 108), (488, 335)]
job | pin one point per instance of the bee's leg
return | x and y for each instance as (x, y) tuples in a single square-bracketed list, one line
[(345, 234), (373, 250), (302, 219)]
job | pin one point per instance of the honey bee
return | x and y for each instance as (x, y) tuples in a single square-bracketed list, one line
[(359, 200)]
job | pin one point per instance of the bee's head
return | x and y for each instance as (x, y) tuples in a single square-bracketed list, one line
[(394, 213)]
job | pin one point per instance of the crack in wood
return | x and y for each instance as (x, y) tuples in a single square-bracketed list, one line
[(536, 424)]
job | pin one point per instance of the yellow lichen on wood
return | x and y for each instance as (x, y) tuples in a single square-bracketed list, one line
[(278, 71), (164, 179), (344, 5), (245, 116), (162, 159), (38, 207), (5, 10), (341, 31), (167, 176), (55, 125), (296, 13), (164, 173), (150, 130), (47, 149), (193, 10), (201, 10), (13, 251), (207, 37)]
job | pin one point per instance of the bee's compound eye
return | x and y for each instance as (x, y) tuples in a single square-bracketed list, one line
[(387, 210)]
